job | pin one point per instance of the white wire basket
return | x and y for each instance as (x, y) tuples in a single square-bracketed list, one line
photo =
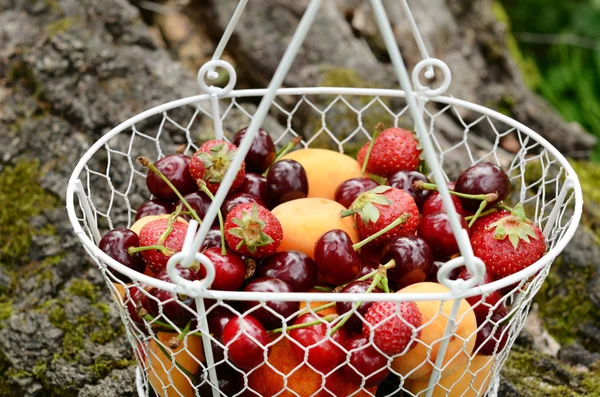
[(107, 186)]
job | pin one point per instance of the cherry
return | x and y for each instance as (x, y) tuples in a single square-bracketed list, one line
[(256, 185), (481, 306), (175, 168), (134, 303), (115, 244), (230, 269), (354, 323), (349, 190), (336, 260), (435, 230), (199, 201), (371, 253), (238, 198), (262, 150), (489, 340), (240, 337), (177, 308), (283, 309), (322, 353), (482, 178), (217, 319), (435, 204), (212, 239), (153, 207), (365, 362), (286, 181), (404, 180), (368, 267), (414, 259), (230, 383), (294, 267), (434, 271)]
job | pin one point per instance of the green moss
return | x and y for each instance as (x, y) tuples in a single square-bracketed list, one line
[(6, 310), (73, 342), (21, 197), (83, 288), (39, 369), (60, 26)]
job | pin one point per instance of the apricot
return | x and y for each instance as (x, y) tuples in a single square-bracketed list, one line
[(187, 354), (315, 304), (301, 379), (120, 290), (435, 317), (469, 380), (305, 220), (140, 223), (325, 170)]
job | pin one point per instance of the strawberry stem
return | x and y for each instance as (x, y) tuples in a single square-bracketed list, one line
[(378, 129), (220, 215), (144, 161), (163, 250), (328, 318), (284, 150), (400, 220)]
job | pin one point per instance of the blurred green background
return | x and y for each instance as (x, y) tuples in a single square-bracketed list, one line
[(559, 45)]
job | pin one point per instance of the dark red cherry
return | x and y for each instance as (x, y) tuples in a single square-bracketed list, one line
[(435, 204), (371, 253), (294, 267), (133, 302), (365, 362), (115, 244), (434, 271), (336, 260), (177, 308), (404, 180), (286, 181), (212, 239), (481, 306), (238, 198), (240, 338), (199, 201), (482, 178), (348, 191), (436, 231), (490, 339), (231, 383), (175, 168), (230, 269), (255, 185), (368, 267), (217, 319), (269, 285), (355, 323), (262, 151), (414, 259), (323, 354), (153, 207)]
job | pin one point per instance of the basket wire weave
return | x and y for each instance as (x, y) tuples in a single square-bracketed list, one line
[(109, 186)]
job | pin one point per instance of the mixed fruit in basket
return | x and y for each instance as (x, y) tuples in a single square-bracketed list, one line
[(317, 220)]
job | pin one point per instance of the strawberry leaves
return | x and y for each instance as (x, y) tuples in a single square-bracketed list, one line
[(364, 205), (217, 161), (515, 226), (250, 230)]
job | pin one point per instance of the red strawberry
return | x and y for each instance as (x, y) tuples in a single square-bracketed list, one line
[(251, 229), (377, 208), (197, 168), (392, 333), (151, 234), (395, 149), (507, 242), (216, 155)]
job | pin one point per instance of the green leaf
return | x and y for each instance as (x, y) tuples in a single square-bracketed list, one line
[(255, 212), (380, 189), (379, 199), (346, 213), (520, 211), (237, 232), (500, 233), (369, 213), (514, 239), (217, 148), (239, 222)]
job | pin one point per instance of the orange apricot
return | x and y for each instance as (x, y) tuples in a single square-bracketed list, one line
[(140, 223), (305, 220), (325, 170), (435, 317), (188, 355)]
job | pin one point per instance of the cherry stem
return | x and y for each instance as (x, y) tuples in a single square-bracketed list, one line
[(507, 208), (321, 288), (378, 277), (478, 213), (144, 161), (170, 225), (219, 215), (163, 250), (378, 129), (166, 353), (489, 197), (390, 265), (316, 309), (400, 220), (487, 212), (328, 318), (284, 150), (185, 331)]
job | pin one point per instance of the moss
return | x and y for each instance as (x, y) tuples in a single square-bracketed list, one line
[(6, 310), (39, 369), (73, 342), (84, 289), (21, 197), (60, 26), (103, 366)]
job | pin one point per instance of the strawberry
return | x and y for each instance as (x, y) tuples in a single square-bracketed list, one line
[(251, 229), (216, 155), (392, 326), (395, 149), (377, 208), (153, 234), (507, 242)]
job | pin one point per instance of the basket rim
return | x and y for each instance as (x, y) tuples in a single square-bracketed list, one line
[(571, 177)]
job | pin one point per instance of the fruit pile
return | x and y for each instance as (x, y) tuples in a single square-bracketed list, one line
[(317, 220)]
